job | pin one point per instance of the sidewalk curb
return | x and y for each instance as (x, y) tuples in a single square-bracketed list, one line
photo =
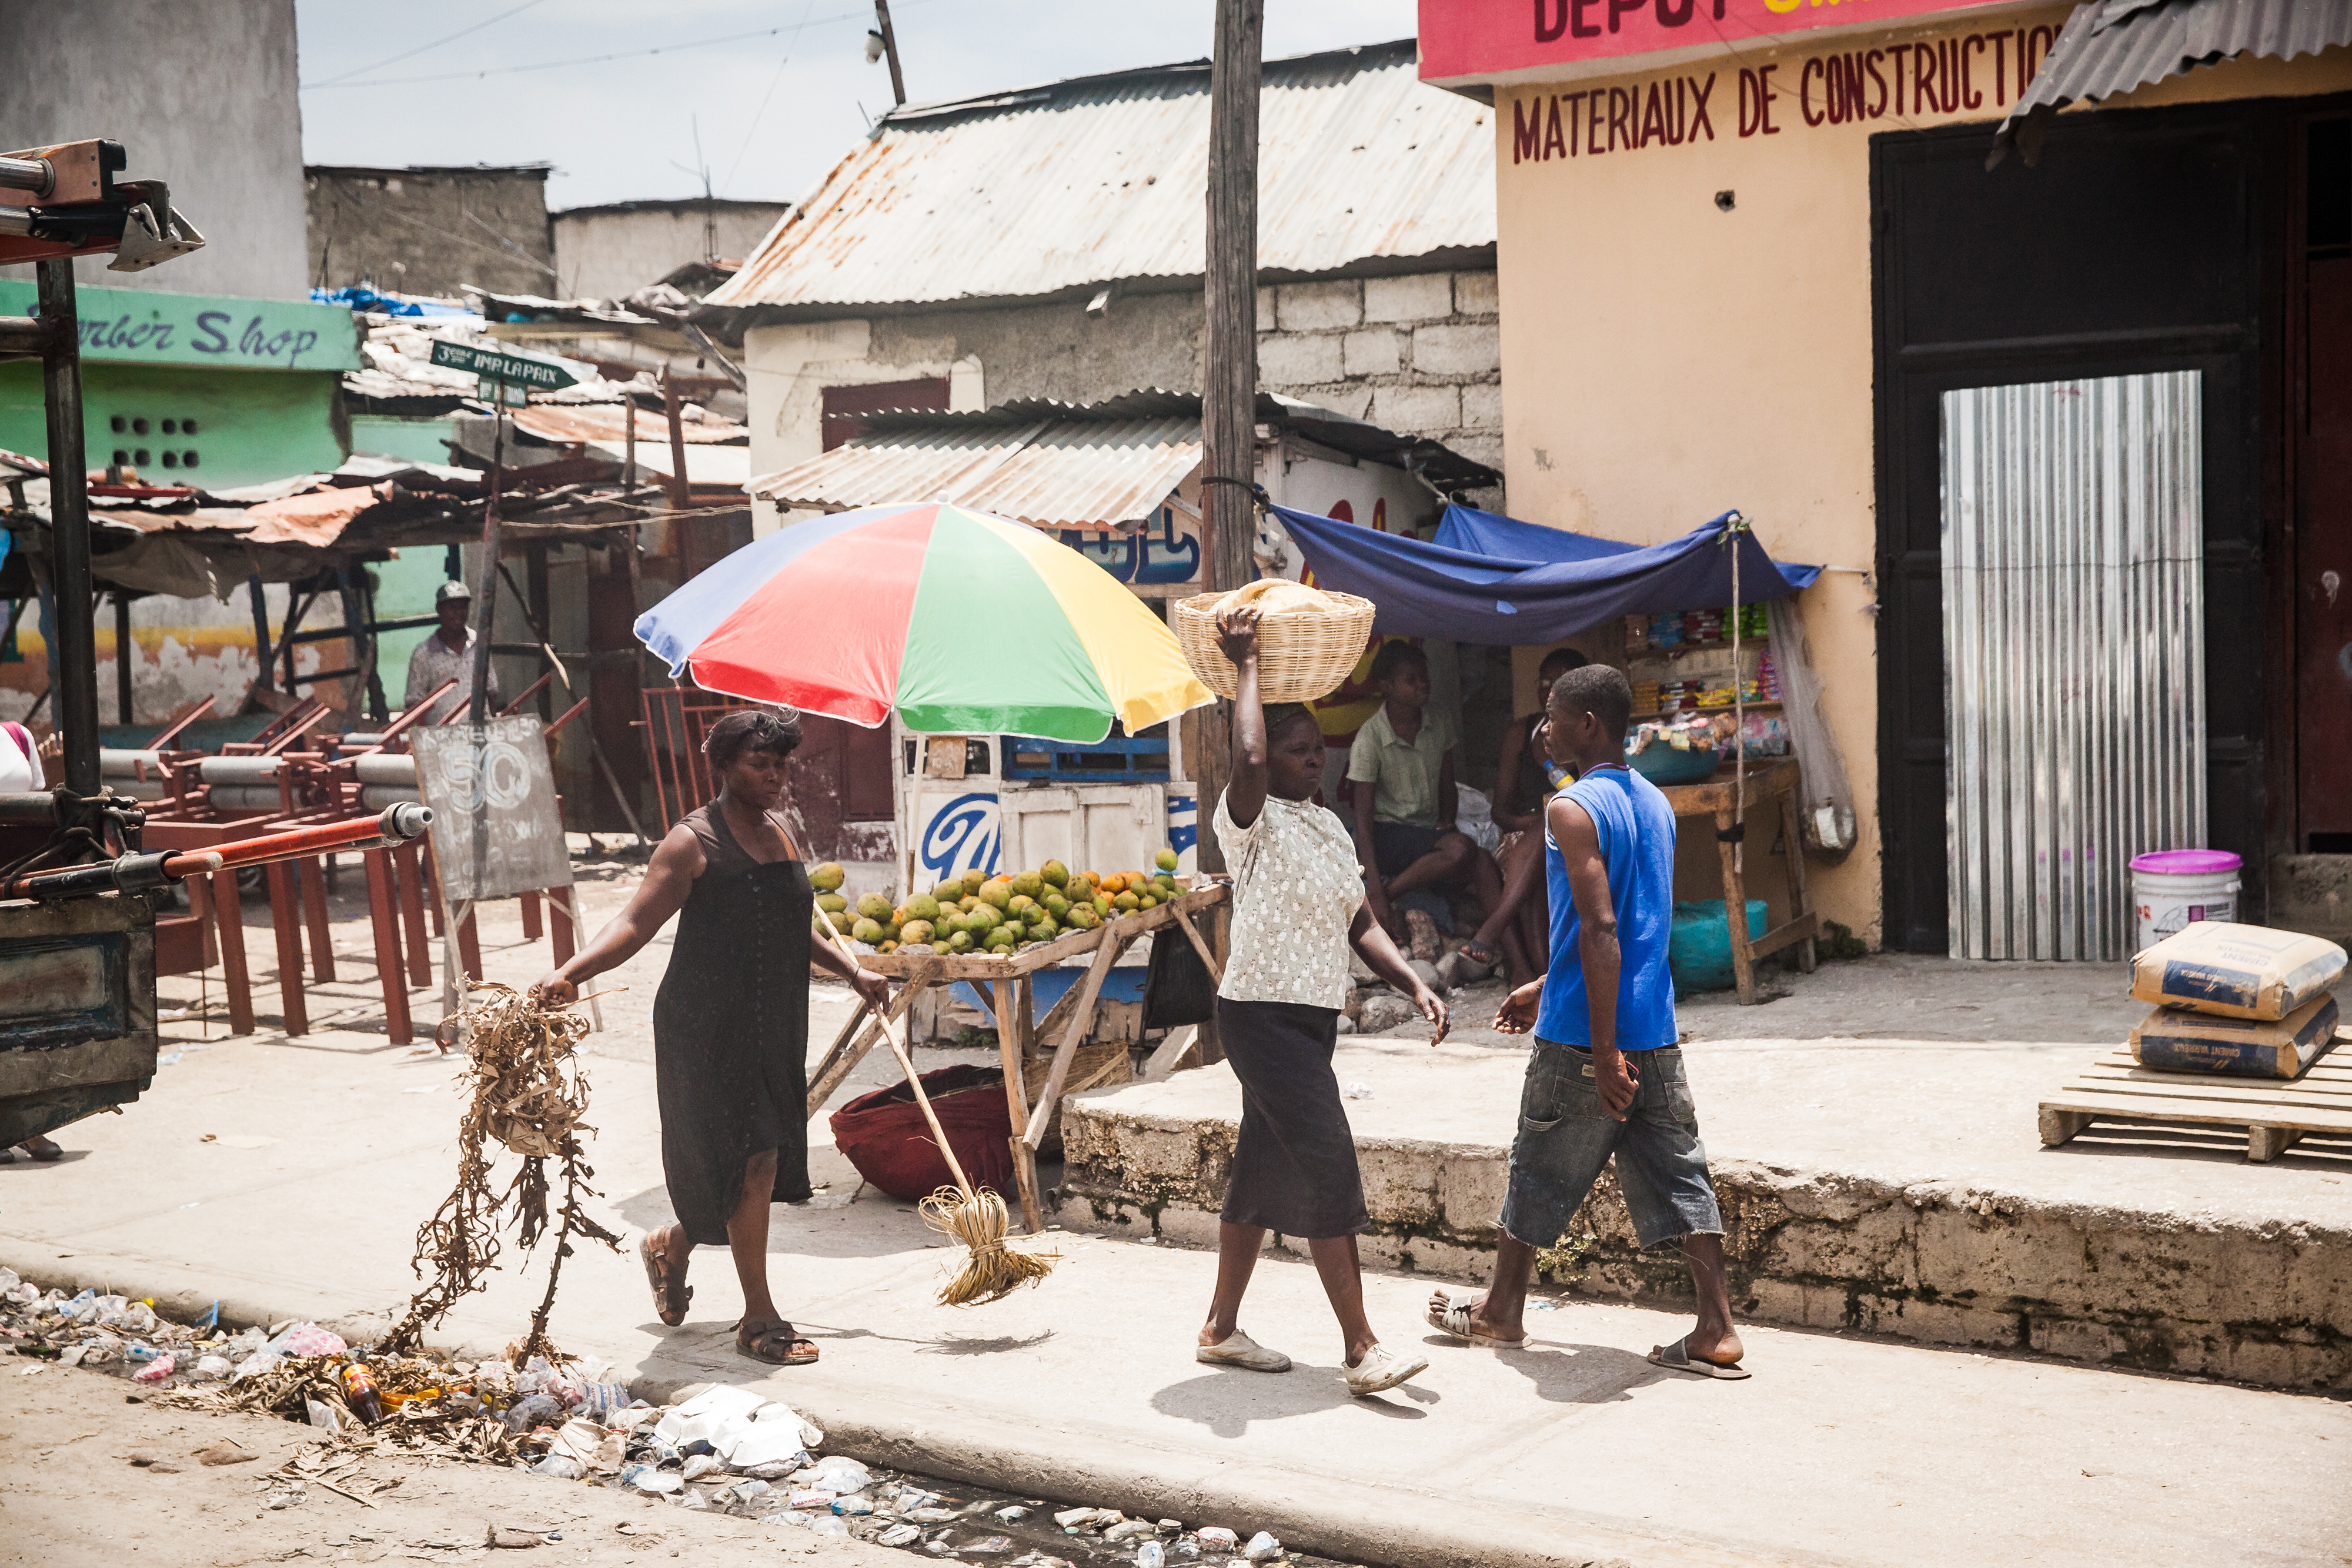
[(1384, 1526)]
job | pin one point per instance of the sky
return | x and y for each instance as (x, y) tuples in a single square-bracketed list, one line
[(528, 82)]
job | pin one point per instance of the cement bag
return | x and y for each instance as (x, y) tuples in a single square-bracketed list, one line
[(2235, 971), (2176, 1041)]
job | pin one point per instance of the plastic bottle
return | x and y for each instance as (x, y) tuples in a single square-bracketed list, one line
[(1151, 1554), (360, 1394)]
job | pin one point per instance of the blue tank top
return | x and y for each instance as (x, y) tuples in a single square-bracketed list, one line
[(1636, 828)]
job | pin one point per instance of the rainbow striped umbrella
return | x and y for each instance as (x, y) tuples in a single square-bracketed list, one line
[(965, 622)]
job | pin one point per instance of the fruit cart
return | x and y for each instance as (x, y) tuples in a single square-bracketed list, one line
[(1198, 913)]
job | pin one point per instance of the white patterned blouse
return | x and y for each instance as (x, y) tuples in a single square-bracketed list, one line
[(1296, 884)]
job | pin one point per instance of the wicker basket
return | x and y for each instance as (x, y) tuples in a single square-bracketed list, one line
[(1302, 654)]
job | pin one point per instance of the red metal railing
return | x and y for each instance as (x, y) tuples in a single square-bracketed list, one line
[(677, 718)]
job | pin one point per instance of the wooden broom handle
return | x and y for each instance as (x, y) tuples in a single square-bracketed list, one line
[(898, 1047)]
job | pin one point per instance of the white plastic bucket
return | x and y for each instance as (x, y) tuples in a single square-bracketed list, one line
[(2172, 889)]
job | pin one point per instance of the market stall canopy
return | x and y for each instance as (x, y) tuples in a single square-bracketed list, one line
[(1506, 541), (1053, 465), (1426, 589), (962, 622), (2112, 46)]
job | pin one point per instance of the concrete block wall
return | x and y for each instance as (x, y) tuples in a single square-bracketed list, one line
[(1937, 1263), (1421, 354)]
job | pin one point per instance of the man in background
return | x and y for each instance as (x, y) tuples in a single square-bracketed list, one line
[(447, 654)]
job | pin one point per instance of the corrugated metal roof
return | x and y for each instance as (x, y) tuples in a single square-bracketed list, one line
[(2111, 47), (1049, 473), (603, 422), (1100, 178)]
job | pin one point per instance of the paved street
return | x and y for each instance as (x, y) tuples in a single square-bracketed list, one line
[(323, 1155)]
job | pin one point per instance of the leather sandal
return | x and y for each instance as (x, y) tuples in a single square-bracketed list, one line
[(777, 1344), (670, 1301)]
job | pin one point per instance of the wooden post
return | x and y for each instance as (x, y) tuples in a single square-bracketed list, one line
[(531, 930), (1735, 908), (539, 612), (228, 917), (1229, 358), (286, 923), (562, 924), (386, 927), (313, 875), (890, 48), (681, 491), (410, 892), (1800, 905), (122, 647), (1012, 1020)]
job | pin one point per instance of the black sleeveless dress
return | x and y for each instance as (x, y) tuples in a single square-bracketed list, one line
[(731, 1031)]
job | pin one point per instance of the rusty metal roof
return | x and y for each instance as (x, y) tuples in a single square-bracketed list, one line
[(605, 421), (1050, 473), (1073, 185), (2112, 46)]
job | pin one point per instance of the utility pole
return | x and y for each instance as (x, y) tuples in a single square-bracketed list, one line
[(890, 48), (1229, 369)]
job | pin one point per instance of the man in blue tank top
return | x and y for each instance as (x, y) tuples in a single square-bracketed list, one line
[(1606, 1075)]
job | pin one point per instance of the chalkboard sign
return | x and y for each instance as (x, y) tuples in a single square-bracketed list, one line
[(496, 828)]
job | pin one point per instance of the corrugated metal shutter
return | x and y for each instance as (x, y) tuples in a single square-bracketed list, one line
[(2073, 655)]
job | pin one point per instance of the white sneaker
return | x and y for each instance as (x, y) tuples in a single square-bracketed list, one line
[(1381, 1369), (1237, 1349)]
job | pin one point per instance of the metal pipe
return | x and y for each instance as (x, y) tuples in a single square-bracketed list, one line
[(69, 530), (17, 223), (34, 174), (395, 825), (23, 334)]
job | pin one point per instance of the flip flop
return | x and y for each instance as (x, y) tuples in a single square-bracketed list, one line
[(657, 1276), (1455, 1319), (1676, 1357), (777, 1344)]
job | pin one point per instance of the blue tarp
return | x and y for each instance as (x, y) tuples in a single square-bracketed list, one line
[(1505, 591), (361, 296)]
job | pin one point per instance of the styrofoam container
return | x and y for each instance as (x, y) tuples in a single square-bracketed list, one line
[(2174, 889)]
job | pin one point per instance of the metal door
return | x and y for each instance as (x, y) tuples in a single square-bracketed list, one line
[(2073, 654)]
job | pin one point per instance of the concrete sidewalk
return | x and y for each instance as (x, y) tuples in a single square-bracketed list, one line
[(326, 1155)]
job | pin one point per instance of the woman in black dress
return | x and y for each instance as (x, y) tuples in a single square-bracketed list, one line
[(731, 1023)]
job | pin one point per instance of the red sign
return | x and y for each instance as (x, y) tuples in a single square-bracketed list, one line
[(1473, 39)]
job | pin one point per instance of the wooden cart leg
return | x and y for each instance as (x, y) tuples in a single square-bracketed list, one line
[(1081, 1023), (1735, 911), (314, 908), (409, 859), (432, 884), (1011, 1017), (469, 946), (1800, 903), (286, 924), (562, 924), (530, 931), (228, 919), (384, 921)]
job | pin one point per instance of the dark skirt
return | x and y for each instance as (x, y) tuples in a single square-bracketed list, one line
[(1294, 1160)]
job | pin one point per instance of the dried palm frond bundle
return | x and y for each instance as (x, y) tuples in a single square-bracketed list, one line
[(993, 1268), (529, 1094)]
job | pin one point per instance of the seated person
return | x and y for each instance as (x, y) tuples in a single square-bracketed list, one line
[(1401, 766), (1524, 780)]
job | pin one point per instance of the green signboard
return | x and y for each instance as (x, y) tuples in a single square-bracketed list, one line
[(148, 326), (543, 371)]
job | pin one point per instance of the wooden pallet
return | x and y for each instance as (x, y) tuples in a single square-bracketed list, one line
[(2275, 1113)]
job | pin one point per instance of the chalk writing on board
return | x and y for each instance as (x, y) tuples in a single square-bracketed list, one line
[(509, 785)]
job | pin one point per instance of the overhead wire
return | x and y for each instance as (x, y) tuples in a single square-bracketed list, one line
[(603, 59), (423, 48)]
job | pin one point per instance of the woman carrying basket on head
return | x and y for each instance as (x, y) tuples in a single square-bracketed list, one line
[(731, 1023), (1298, 904)]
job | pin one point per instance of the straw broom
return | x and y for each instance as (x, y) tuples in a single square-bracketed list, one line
[(991, 1270)]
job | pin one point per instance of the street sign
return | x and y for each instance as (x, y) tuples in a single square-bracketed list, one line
[(541, 372)]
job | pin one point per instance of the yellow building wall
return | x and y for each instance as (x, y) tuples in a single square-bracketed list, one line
[(1664, 359)]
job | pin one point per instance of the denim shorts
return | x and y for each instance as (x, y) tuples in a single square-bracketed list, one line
[(1566, 1135)]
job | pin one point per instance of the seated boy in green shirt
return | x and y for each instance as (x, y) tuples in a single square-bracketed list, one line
[(1401, 766)]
